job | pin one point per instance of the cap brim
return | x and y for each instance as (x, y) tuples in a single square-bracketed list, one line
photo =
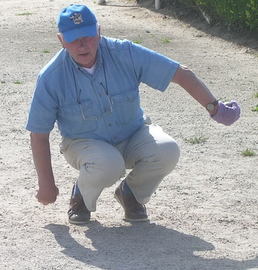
[(84, 31)]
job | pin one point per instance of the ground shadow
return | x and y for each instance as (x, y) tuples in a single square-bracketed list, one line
[(142, 246), (193, 17)]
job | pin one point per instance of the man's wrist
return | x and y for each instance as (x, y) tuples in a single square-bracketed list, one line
[(212, 107), (46, 182)]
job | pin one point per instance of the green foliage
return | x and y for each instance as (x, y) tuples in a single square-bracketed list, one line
[(166, 40), (236, 14), (24, 14), (255, 108), (196, 140), (17, 82), (233, 12), (137, 41), (248, 153)]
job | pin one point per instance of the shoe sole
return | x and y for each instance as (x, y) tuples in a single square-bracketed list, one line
[(130, 219), (78, 222)]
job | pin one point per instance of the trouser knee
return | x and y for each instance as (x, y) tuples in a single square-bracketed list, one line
[(103, 171), (168, 156), (102, 168)]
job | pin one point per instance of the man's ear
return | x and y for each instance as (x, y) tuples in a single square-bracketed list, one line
[(98, 30), (60, 37)]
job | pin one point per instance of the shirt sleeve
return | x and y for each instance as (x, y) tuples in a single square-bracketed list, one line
[(152, 68), (43, 109)]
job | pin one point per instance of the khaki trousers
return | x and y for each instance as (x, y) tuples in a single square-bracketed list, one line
[(150, 153)]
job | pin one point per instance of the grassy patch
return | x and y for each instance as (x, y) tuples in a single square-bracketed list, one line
[(196, 140), (255, 108), (24, 14), (256, 95), (46, 51), (166, 40), (137, 41), (17, 82), (248, 153)]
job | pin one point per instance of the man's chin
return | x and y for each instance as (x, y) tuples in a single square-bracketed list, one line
[(85, 62)]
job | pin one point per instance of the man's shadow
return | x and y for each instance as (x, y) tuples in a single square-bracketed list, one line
[(142, 246)]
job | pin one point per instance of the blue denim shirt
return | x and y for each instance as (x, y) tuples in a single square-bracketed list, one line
[(105, 105)]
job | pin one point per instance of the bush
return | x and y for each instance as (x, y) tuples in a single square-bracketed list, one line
[(237, 14)]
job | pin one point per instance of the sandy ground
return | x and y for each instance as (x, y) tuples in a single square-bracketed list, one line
[(204, 216)]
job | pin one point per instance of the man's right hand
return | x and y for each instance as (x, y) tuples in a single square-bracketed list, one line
[(48, 191), (47, 194)]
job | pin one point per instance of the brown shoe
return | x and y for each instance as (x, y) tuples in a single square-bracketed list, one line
[(134, 211), (78, 212)]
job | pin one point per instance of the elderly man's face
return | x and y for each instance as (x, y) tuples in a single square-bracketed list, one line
[(82, 50)]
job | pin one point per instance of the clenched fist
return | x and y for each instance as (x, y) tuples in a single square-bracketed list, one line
[(227, 113), (47, 194)]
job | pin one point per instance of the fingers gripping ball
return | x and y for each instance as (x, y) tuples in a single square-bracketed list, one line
[(227, 113)]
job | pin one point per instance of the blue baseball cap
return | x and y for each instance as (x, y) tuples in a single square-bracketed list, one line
[(77, 21)]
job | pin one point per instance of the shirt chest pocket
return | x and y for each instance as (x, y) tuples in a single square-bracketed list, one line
[(79, 117), (126, 107)]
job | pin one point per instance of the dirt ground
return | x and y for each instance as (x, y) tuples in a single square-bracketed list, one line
[(204, 216)]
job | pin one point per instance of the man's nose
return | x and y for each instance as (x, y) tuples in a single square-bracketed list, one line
[(83, 42)]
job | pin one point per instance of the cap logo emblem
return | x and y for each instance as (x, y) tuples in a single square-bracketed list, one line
[(77, 18)]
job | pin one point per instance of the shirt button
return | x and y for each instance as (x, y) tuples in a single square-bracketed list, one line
[(109, 124)]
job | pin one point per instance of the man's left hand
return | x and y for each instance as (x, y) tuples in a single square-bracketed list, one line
[(227, 113)]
